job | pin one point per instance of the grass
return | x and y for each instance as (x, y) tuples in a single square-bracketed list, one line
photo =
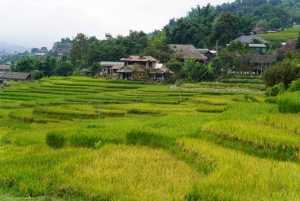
[(130, 141)]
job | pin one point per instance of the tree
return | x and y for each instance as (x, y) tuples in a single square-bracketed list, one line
[(33, 50), (275, 23), (79, 48), (298, 42), (49, 66), (226, 28), (284, 72), (263, 24), (44, 48), (25, 65), (174, 65), (64, 68)]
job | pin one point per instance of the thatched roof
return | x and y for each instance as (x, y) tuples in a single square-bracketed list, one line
[(290, 45), (4, 67), (187, 51), (263, 59), (138, 59), (117, 66), (161, 70), (130, 69), (16, 76)]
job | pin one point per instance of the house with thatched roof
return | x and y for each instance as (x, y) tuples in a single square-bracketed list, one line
[(260, 62), (130, 72), (160, 73), (108, 65), (187, 51), (258, 30), (145, 61), (4, 68), (14, 76)]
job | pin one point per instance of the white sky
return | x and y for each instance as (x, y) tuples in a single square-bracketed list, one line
[(37, 23)]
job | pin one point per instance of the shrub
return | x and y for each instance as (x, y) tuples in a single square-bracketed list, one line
[(284, 72), (295, 86), (55, 139), (289, 102), (275, 90), (147, 139), (81, 140)]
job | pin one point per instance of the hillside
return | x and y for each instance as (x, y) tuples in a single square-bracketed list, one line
[(8, 48), (288, 34)]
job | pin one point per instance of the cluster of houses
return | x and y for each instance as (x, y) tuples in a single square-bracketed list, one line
[(139, 68), (135, 67)]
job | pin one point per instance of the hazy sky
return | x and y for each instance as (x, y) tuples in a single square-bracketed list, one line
[(37, 23)]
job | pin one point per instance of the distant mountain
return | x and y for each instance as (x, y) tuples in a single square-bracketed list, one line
[(8, 48)]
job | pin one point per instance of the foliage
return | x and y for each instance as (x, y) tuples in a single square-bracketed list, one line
[(289, 102), (284, 72), (174, 65), (55, 139), (79, 48), (226, 28), (298, 42), (294, 86), (35, 75), (64, 68), (275, 90)]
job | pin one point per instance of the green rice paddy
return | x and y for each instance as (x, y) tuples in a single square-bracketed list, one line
[(76, 138)]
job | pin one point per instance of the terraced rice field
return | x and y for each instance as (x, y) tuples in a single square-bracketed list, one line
[(76, 138)]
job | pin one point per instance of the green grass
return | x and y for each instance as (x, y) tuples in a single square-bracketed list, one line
[(128, 141), (282, 36)]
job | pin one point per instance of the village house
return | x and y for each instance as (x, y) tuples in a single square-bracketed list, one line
[(260, 48), (4, 68), (258, 30), (187, 51), (260, 62), (210, 54), (14, 76), (110, 68), (160, 73), (64, 50), (249, 39)]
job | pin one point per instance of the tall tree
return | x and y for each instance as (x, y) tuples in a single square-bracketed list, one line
[(80, 46), (226, 28)]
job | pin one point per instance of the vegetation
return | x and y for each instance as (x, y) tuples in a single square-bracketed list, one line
[(80, 138)]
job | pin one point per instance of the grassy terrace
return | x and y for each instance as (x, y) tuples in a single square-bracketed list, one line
[(80, 138)]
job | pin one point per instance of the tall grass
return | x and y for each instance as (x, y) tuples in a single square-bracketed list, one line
[(289, 102)]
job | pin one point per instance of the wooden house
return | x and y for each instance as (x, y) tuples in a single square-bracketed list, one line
[(4, 68), (258, 30), (260, 62), (130, 72), (187, 51), (14, 76), (160, 73), (109, 67), (146, 62)]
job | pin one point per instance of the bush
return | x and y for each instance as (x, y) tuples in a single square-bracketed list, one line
[(55, 139), (289, 102), (147, 139), (81, 140), (275, 90), (284, 72), (295, 86)]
